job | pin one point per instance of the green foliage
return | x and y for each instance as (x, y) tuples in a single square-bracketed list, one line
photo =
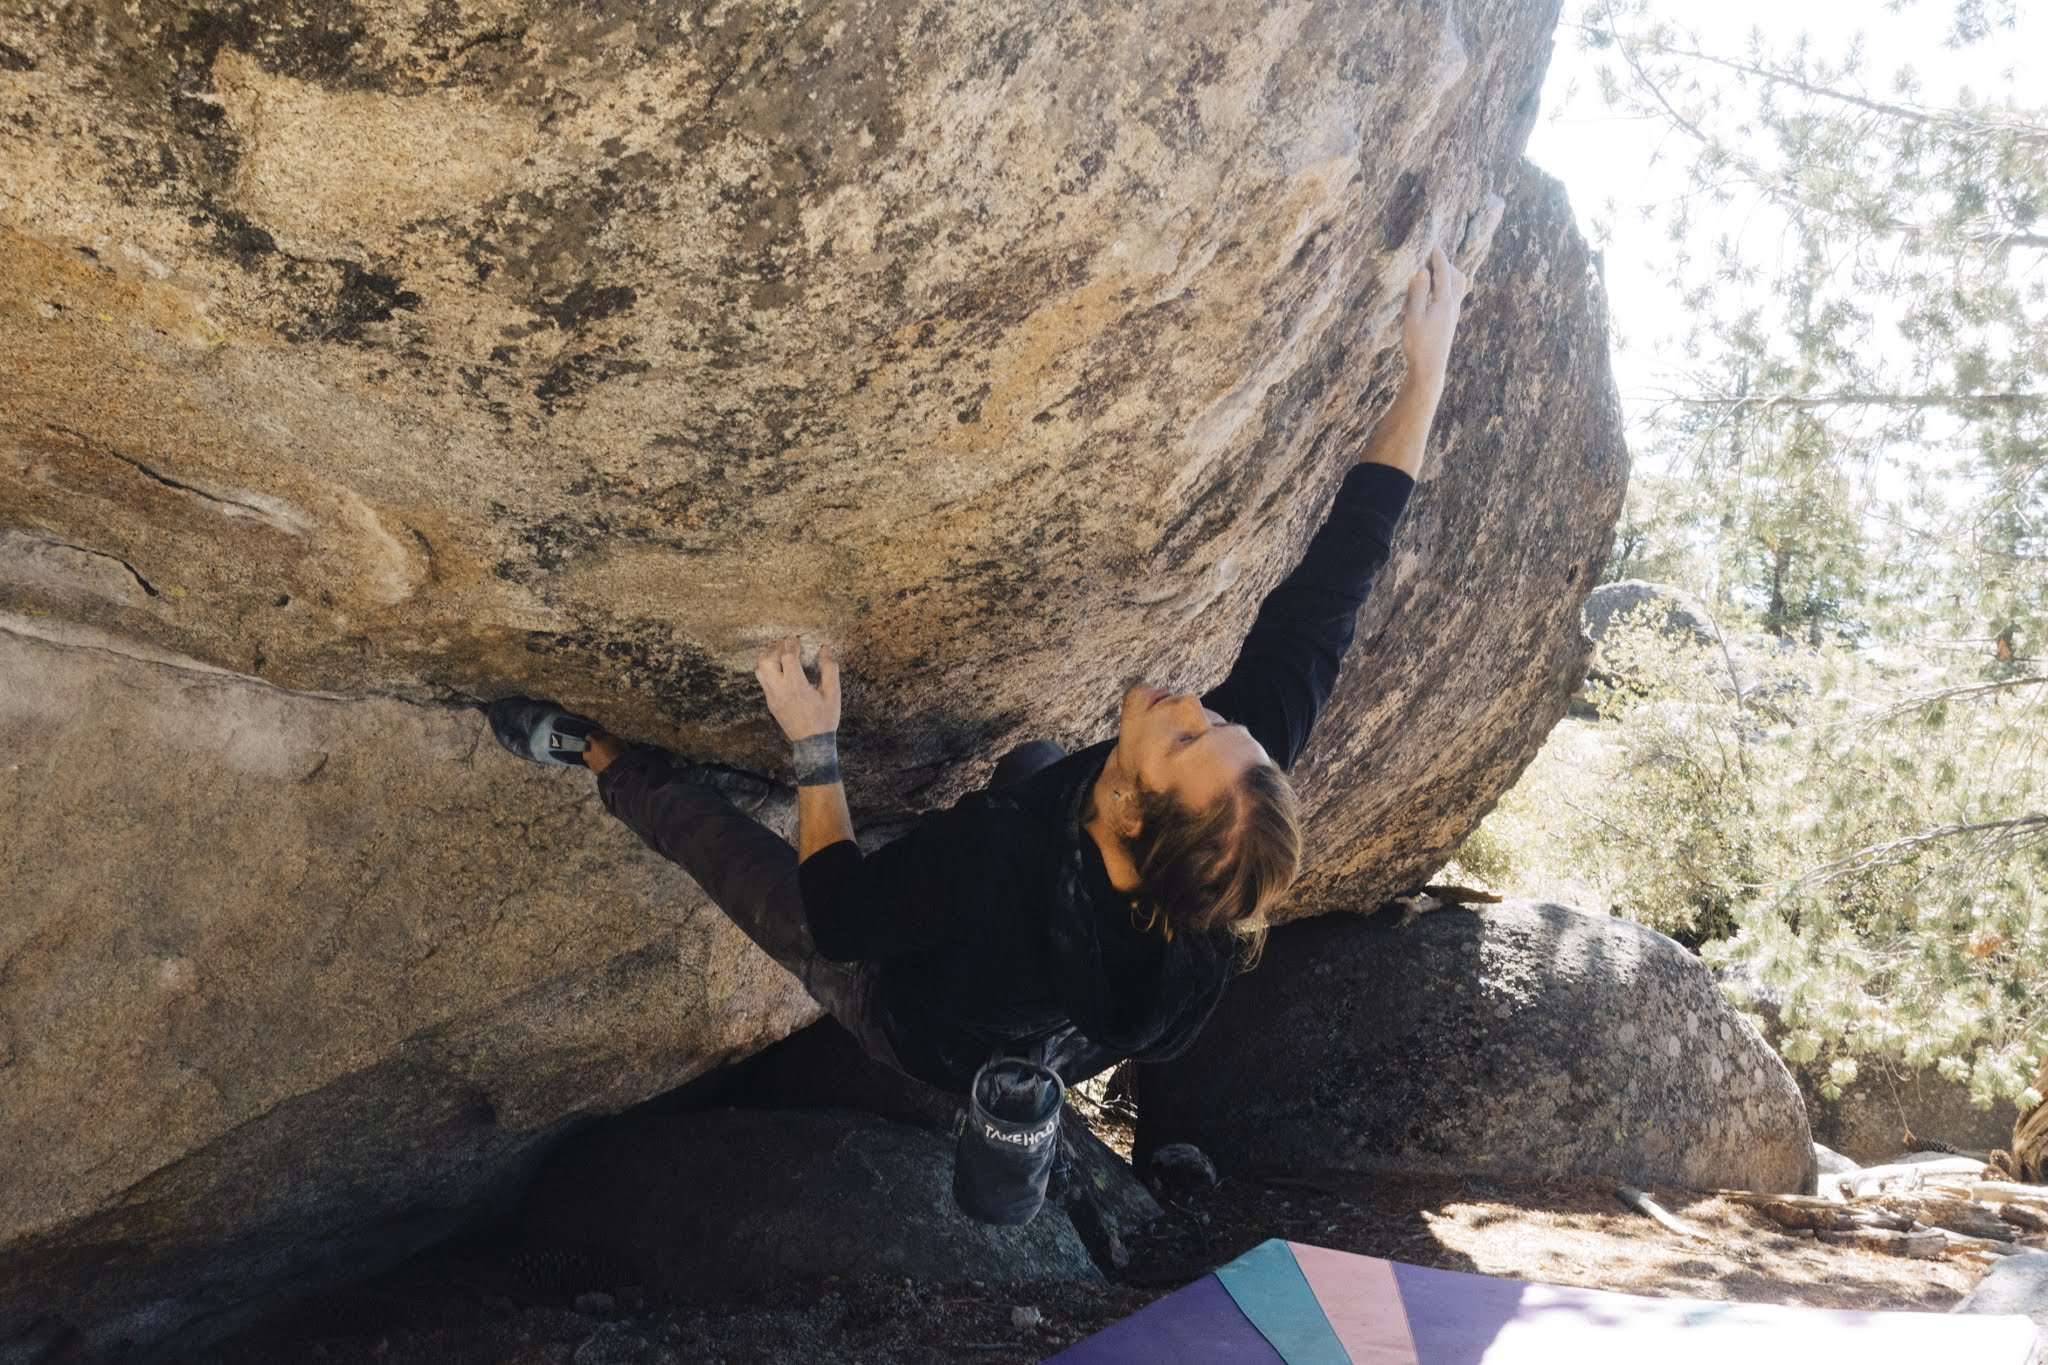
[(1851, 810), (1861, 836), (1858, 443)]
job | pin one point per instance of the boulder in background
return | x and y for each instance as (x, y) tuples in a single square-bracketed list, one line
[(1523, 1038)]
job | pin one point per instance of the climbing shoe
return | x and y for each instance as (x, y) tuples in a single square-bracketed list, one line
[(1009, 1140), (540, 731)]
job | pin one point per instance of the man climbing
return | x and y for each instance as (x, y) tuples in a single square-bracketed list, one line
[(1084, 907)]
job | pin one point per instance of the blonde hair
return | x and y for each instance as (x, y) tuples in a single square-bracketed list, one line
[(1225, 867)]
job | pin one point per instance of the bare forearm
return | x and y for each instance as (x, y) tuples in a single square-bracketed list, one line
[(1428, 322), (821, 817), (1403, 429)]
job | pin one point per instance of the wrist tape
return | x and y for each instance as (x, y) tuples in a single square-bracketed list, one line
[(817, 759)]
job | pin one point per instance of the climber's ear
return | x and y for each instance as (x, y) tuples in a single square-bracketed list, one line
[(1128, 818)]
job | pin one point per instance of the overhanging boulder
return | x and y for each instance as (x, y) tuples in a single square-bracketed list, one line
[(1470, 647), (534, 347)]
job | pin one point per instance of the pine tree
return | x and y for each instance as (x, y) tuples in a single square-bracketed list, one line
[(1854, 461)]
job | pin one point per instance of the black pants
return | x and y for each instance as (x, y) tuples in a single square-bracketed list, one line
[(750, 872)]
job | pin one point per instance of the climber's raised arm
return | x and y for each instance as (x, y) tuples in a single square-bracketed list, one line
[(1287, 667), (1436, 293)]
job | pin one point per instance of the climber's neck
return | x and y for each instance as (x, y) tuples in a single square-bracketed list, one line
[(1116, 855)]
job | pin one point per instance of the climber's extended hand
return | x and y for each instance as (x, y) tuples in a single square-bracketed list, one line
[(801, 707), (1435, 295)]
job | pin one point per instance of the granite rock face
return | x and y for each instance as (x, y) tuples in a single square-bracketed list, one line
[(1889, 1110), (1870, 1120), (290, 984), (579, 349), (2015, 1285), (1469, 650), (1523, 1038), (364, 358)]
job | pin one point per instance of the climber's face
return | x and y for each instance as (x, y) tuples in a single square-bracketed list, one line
[(1170, 742)]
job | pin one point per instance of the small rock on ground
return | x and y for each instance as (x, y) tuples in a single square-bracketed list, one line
[(2014, 1284)]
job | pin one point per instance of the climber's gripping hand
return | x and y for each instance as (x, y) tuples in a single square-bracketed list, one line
[(801, 707), (1429, 320)]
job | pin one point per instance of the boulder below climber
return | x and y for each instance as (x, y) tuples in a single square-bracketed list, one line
[(726, 1203), (1523, 1038), (821, 1067)]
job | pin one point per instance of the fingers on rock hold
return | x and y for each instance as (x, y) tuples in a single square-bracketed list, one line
[(1418, 289)]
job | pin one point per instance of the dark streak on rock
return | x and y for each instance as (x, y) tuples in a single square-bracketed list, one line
[(1404, 207), (14, 59), (427, 546), (1308, 248), (646, 656), (363, 297), (234, 235), (493, 36), (587, 302), (307, 41), (582, 371)]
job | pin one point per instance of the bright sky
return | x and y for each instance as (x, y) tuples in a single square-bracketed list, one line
[(1610, 166)]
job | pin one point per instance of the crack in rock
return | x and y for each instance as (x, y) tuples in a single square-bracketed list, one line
[(45, 561)]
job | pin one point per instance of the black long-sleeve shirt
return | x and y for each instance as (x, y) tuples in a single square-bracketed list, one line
[(995, 921)]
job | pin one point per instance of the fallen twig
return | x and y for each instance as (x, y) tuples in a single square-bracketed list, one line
[(2010, 1190), (1852, 1184), (1919, 1246), (1792, 1210), (1953, 1212), (1984, 1246), (2025, 1217), (1643, 1204)]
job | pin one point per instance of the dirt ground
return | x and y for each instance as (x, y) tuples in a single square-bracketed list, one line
[(470, 1304)]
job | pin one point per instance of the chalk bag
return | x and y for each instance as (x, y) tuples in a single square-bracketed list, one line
[(1008, 1142)]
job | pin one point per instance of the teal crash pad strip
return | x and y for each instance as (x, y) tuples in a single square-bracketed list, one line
[(1270, 1289)]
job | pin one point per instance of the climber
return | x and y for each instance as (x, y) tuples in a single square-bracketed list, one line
[(1084, 907)]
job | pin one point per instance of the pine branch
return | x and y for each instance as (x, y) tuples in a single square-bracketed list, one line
[(1994, 240), (2017, 401), (1951, 693), (1643, 79), (1910, 113), (1876, 855)]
